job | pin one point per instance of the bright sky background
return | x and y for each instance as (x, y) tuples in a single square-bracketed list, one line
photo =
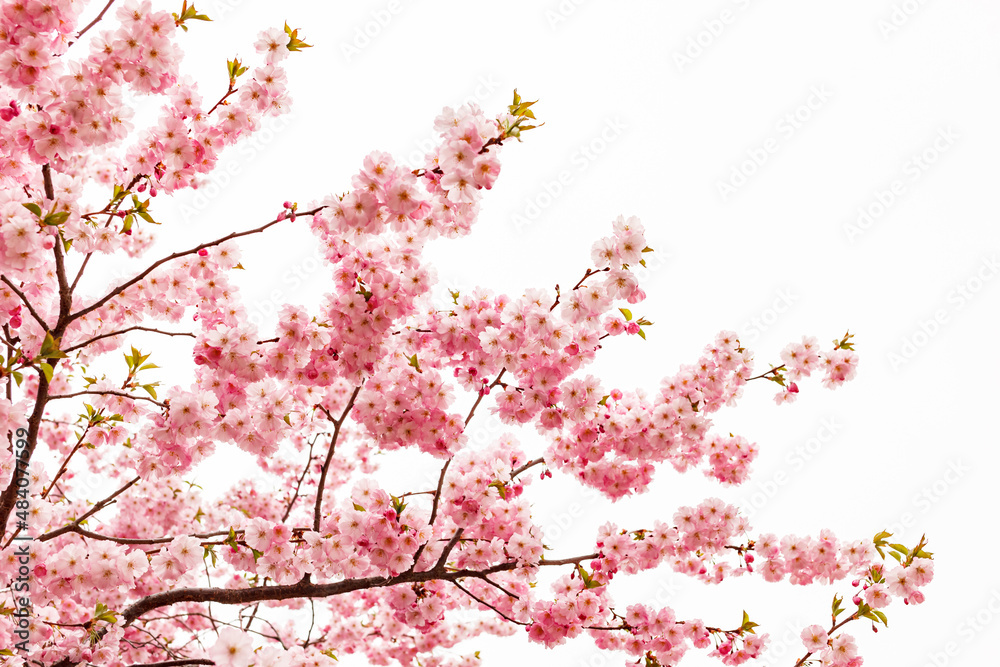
[(809, 113)]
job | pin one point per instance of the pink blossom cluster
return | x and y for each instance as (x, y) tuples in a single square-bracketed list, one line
[(614, 443), (658, 635), (808, 559), (376, 367), (839, 365)]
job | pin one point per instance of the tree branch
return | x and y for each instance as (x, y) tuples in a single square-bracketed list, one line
[(88, 27), (305, 470), (329, 456), (109, 392), (72, 527), (126, 330), (124, 286)]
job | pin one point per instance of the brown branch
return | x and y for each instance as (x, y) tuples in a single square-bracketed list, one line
[(329, 456), (65, 463), (487, 604), (126, 330), (773, 370), (530, 464), (93, 510), (448, 548), (305, 470), (108, 392), (173, 663), (128, 283), (24, 300), (482, 394), (88, 27), (74, 528)]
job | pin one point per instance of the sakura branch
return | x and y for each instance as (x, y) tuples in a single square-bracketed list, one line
[(176, 574)]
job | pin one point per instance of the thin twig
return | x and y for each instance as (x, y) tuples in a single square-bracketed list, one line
[(329, 456)]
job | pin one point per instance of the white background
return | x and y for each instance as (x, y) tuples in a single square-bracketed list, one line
[(633, 128)]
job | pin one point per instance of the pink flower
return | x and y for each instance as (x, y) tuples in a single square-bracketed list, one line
[(232, 649), (273, 43), (877, 596)]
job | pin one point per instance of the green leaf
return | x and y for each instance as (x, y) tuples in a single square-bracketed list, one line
[(56, 218), (627, 313), (50, 348), (647, 249), (294, 43), (359, 507), (501, 487), (210, 551), (881, 617), (47, 370), (413, 362), (149, 389), (642, 333), (34, 208), (287, 420)]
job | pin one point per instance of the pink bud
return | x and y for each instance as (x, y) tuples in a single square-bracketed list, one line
[(748, 558), (856, 599), (7, 114), (793, 388), (292, 216), (152, 192), (281, 216), (40, 570), (856, 582), (142, 187), (203, 252), (287, 204)]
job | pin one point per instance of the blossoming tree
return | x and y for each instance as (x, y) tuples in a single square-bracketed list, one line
[(149, 571)]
